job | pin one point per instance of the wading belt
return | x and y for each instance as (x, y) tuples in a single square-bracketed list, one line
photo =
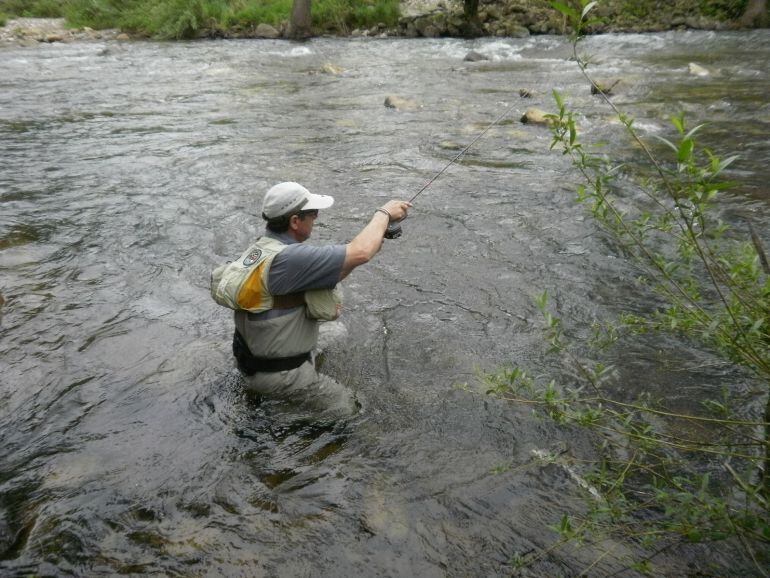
[(250, 365)]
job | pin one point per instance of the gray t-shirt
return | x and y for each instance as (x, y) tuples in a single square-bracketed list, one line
[(300, 267)]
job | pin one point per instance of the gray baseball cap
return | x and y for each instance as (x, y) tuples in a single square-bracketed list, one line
[(286, 198)]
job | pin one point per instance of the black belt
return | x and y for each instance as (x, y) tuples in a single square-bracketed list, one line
[(249, 364)]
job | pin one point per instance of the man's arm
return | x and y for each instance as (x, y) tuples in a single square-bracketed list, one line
[(368, 242)]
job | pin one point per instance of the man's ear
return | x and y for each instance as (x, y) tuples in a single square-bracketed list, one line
[(293, 222)]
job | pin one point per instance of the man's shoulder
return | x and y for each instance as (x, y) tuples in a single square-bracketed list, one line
[(303, 250), (300, 267)]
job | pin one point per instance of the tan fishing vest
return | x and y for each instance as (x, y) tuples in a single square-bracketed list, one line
[(243, 286)]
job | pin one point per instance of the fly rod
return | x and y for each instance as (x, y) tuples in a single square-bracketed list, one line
[(394, 229)]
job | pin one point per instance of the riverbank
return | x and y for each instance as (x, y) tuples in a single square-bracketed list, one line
[(32, 31), (416, 18)]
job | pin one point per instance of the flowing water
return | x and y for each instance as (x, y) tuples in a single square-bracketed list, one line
[(129, 170)]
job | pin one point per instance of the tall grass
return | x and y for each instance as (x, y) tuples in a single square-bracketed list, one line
[(344, 15), (172, 19), (33, 8)]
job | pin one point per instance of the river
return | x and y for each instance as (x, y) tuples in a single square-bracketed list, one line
[(129, 170)]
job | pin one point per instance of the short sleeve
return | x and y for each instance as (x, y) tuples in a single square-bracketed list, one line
[(300, 267)]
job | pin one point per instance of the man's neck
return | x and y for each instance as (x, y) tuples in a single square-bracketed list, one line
[(286, 238)]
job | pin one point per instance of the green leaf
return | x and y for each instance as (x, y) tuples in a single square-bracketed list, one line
[(678, 122), (685, 150), (667, 143), (726, 163), (566, 10), (590, 6), (693, 131), (558, 98)]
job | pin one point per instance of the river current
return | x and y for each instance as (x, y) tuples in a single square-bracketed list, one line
[(129, 170)]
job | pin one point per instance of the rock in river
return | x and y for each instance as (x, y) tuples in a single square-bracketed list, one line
[(698, 70), (400, 103), (474, 56), (535, 116)]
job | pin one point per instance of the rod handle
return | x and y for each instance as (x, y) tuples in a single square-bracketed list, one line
[(394, 230)]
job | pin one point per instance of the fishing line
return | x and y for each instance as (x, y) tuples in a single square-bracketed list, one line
[(394, 229)]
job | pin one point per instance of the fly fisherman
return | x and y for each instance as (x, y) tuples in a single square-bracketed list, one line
[(281, 288)]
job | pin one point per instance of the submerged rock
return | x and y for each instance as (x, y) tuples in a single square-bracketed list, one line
[(400, 103), (329, 68), (698, 70), (474, 56), (535, 116)]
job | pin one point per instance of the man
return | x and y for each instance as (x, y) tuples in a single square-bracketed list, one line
[(273, 343)]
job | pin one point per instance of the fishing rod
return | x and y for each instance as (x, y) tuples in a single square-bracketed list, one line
[(394, 229)]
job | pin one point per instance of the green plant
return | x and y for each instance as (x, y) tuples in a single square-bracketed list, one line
[(98, 14), (252, 13), (175, 19), (664, 477), (343, 15), (723, 9), (34, 8)]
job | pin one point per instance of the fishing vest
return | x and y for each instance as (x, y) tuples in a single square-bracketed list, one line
[(242, 285)]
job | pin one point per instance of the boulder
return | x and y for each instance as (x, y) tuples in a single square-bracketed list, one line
[(427, 27), (122, 36), (698, 70), (411, 31), (400, 103), (430, 31), (333, 69), (266, 31), (515, 30), (535, 116), (474, 56)]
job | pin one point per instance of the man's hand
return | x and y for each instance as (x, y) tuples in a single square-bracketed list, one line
[(397, 209), (368, 242)]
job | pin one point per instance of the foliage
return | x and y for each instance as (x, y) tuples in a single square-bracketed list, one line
[(344, 15), (723, 9), (34, 8), (253, 13), (663, 477), (3, 19), (174, 19), (719, 9)]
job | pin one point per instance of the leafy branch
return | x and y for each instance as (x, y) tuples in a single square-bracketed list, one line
[(659, 487)]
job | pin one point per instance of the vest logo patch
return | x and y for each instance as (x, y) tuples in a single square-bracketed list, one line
[(252, 258)]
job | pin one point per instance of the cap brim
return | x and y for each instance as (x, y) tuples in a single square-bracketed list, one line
[(318, 202)]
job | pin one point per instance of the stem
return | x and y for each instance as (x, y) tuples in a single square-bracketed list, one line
[(686, 228)]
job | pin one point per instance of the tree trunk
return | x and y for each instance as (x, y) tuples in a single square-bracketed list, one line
[(300, 25), (755, 15), (471, 8), (471, 27)]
